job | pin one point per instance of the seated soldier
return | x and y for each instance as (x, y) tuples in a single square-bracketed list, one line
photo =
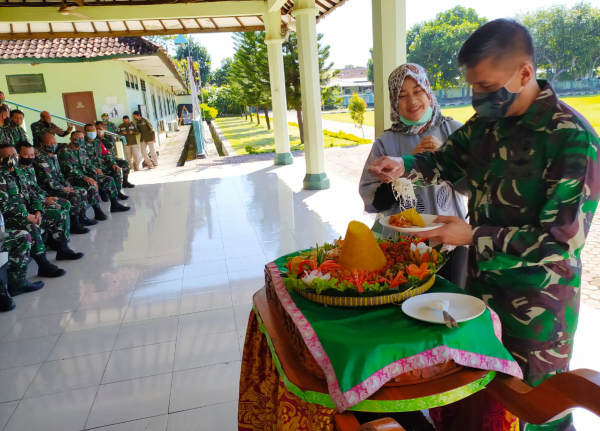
[(109, 153), (18, 245), (14, 128), (45, 125), (77, 168), (52, 180), (93, 147), (55, 212), (22, 212), (4, 114)]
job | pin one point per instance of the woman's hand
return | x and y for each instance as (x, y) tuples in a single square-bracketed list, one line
[(427, 145), (387, 169), (455, 231)]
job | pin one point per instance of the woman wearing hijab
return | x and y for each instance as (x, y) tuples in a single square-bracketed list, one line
[(417, 126)]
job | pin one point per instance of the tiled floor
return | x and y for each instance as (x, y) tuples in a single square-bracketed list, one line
[(146, 331)]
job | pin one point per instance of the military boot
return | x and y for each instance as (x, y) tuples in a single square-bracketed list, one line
[(76, 226), (103, 195), (18, 284), (122, 196), (116, 207), (6, 301), (126, 182), (85, 220), (63, 251), (98, 213), (47, 269)]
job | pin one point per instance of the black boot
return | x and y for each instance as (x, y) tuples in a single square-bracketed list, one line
[(45, 268), (63, 252), (116, 207), (76, 226), (6, 301), (122, 197), (103, 195), (126, 182), (18, 284), (85, 220), (98, 213)]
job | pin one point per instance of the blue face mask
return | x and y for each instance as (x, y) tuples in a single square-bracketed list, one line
[(494, 104), (91, 135), (424, 118)]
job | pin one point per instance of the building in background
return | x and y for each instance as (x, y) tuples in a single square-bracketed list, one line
[(80, 78), (353, 80)]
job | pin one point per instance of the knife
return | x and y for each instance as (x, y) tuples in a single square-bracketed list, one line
[(443, 305)]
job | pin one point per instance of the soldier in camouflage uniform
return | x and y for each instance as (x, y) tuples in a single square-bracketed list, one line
[(14, 129), (93, 147), (4, 131), (109, 153), (45, 125), (51, 180), (26, 163), (77, 168), (18, 245), (22, 211), (531, 166)]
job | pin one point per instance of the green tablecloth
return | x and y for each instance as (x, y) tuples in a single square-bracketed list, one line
[(360, 349)]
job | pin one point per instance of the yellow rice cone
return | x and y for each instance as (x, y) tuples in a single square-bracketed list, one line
[(360, 249)]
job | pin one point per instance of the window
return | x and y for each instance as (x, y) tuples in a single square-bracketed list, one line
[(136, 82), (29, 83), (127, 79), (143, 84)]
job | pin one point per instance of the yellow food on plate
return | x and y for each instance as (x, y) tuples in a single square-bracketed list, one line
[(360, 249), (407, 218)]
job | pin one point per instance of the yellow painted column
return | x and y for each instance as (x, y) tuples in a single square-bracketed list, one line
[(389, 52), (305, 13), (272, 20)]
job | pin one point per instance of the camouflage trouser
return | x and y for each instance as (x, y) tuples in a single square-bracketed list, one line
[(60, 212), (123, 164), (117, 176), (539, 309), (18, 245), (77, 199), (107, 185), (91, 193)]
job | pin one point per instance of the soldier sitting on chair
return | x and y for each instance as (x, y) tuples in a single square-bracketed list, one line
[(109, 153)]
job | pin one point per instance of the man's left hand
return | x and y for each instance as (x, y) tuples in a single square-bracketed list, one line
[(51, 200), (99, 171), (116, 168), (455, 231)]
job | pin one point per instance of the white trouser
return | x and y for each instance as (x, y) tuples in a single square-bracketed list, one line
[(149, 147), (132, 155)]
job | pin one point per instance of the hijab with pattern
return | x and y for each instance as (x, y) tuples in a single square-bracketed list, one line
[(395, 82)]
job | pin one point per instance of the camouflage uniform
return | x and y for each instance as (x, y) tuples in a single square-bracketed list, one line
[(16, 133), (76, 164), (39, 128), (110, 144), (18, 245), (94, 151), (51, 179), (60, 209), (534, 186), (17, 202)]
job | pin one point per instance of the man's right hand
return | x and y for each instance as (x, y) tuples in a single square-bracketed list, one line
[(32, 218), (387, 169), (90, 181)]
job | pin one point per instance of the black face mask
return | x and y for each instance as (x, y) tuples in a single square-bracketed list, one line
[(26, 161)]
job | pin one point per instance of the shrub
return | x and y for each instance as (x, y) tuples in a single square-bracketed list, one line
[(357, 108), (208, 112)]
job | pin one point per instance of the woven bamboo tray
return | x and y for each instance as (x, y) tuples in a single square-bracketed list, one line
[(367, 301)]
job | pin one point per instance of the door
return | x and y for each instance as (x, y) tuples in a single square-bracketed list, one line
[(80, 106)]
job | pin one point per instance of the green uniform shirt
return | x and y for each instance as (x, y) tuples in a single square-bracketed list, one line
[(534, 184), (125, 129), (39, 128), (146, 129), (48, 172), (75, 164), (16, 133)]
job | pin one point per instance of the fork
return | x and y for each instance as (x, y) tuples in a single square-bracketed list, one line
[(443, 306)]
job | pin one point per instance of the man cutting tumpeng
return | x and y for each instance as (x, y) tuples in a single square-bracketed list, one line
[(531, 165)]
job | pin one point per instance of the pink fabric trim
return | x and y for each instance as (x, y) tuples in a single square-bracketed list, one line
[(362, 391)]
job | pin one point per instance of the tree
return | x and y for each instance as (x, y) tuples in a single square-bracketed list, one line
[(357, 108), (435, 44), (292, 75), (199, 55), (221, 75), (567, 41), (370, 66)]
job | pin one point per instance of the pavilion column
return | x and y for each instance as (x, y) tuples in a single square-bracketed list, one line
[(305, 13), (389, 52), (272, 20)]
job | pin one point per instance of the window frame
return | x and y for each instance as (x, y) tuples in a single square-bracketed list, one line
[(11, 90)]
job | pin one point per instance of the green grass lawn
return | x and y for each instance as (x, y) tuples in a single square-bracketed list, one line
[(588, 106), (241, 133)]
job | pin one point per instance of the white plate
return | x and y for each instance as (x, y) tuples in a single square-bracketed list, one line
[(462, 307), (427, 218)]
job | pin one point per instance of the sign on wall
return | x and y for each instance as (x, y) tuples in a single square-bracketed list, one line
[(112, 108)]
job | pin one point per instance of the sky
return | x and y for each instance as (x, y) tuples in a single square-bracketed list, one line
[(348, 29)]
